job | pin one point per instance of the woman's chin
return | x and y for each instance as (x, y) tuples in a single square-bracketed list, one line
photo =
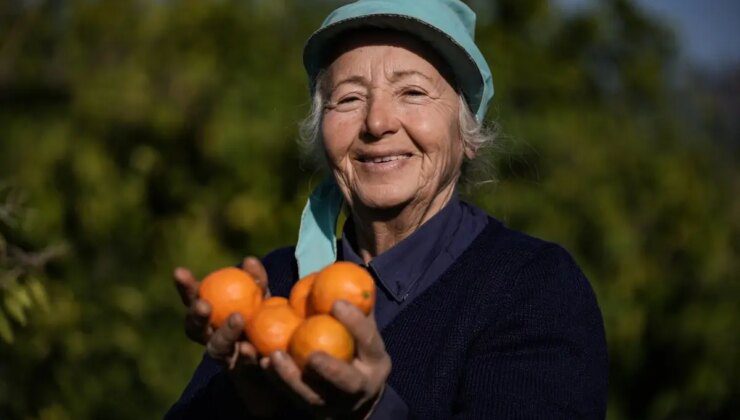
[(384, 197)]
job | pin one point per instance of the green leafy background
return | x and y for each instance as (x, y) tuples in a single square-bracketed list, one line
[(139, 135)]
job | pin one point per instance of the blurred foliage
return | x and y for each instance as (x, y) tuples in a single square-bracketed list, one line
[(147, 135), (20, 289)]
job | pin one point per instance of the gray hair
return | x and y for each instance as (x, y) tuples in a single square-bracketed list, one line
[(474, 134)]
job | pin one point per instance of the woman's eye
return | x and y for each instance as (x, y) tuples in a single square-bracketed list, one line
[(414, 94), (348, 100), (346, 103)]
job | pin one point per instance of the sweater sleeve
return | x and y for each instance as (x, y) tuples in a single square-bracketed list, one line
[(210, 394), (390, 406), (544, 354)]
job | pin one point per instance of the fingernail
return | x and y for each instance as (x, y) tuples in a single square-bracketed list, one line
[(179, 272), (341, 307), (202, 307), (234, 319), (278, 355), (316, 360)]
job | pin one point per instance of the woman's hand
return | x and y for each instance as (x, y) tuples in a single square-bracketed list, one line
[(227, 344), (330, 386)]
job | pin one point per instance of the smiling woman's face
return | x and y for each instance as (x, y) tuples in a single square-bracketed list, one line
[(390, 126)]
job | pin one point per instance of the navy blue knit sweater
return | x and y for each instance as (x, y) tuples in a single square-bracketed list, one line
[(511, 330)]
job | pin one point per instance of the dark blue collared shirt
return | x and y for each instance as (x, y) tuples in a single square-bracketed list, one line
[(407, 269)]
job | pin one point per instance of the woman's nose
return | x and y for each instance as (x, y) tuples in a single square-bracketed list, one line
[(380, 120)]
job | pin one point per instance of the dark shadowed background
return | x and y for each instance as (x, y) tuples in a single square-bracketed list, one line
[(138, 135)]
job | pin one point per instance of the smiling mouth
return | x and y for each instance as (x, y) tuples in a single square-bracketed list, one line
[(383, 159)]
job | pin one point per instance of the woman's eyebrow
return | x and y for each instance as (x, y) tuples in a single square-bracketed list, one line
[(395, 77), (356, 79), (402, 74)]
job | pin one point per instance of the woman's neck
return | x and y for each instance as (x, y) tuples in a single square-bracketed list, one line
[(377, 231)]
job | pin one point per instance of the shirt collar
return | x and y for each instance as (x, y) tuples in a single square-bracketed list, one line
[(399, 268)]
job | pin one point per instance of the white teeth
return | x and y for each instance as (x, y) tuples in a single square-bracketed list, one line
[(387, 158)]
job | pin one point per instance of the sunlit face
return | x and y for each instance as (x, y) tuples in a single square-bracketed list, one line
[(390, 127)]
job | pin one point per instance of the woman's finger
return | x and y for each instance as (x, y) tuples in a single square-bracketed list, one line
[(197, 326), (287, 371), (254, 267), (370, 345), (187, 285), (222, 344), (342, 376), (247, 353)]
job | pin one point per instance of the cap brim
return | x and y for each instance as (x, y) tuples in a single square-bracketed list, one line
[(461, 63)]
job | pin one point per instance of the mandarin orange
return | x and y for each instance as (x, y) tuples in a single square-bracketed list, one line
[(272, 326), (321, 333), (299, 295), (230, 290), (342, 280), (275, 301)]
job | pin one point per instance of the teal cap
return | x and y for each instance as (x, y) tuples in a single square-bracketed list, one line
[(448, 26)]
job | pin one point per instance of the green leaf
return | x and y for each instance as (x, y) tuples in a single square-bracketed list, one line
[(38, 293), (15, 310), (22, 296), (6, 332)]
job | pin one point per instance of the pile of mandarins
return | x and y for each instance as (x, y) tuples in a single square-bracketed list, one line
[(299, 325)]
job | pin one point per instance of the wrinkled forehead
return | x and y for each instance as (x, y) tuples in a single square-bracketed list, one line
[(366, 37)]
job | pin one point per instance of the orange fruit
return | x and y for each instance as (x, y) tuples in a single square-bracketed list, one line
[(299, 295), (342, 280), (275, 301), (321, 333), (272, 326), (230, 290)]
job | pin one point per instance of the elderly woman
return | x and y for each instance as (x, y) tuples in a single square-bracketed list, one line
[(472, 319)]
